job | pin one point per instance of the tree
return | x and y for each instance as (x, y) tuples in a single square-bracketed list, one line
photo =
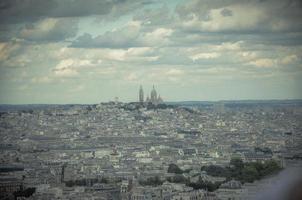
[(270, 167), (249, 174), (215, 170), (237, 163), (204, 185), (173, 168), (178, 179)]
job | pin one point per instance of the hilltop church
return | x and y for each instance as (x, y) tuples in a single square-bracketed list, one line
[(154, 98)]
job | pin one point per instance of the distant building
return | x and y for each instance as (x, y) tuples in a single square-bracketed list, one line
[(8, 186), (154, 98), (141, 95), (219, 107), (256, 157)]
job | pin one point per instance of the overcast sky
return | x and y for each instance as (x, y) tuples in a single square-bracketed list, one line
[(90, 51)]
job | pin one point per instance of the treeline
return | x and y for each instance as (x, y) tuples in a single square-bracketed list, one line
[(244, 172), (180, 178), (237, 169)]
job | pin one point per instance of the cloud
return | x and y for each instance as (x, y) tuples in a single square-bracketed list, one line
[(120, 38), (55, 20), (131, 55), (65, 72), (289, 59), (131, 77), (50, 29), (238, 21), (70, 67), (155, 17), (226, 12), (263, 62), (228, 46), (7, 49), (131, 35), (14, 11), (240, 16), (205, 56), (159, 35), (174, 72), (42, 79), (12, 55)]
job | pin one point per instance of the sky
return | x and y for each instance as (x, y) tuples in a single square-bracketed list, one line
[(91, 51)]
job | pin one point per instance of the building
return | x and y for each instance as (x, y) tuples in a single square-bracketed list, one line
[(141, 95), (8, 186), (154, 97), (231, 190)]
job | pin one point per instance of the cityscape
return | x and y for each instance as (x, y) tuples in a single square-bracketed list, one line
[(150, 100), (148, 149)]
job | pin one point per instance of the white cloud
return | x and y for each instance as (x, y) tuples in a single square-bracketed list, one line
[(70, 67), (160, 33), (247, 55), (65, 72), (174, 72), (233, 46), (263, 62), (205, 56), (289, 59)]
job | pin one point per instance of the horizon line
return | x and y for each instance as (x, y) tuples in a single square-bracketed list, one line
[(178, 101)]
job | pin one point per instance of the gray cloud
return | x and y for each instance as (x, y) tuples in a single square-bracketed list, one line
[(22, 19), (242, 16), (49, 30), (155, 17), (14, 11)]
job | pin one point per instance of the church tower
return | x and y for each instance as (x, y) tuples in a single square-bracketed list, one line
[(141, 95)]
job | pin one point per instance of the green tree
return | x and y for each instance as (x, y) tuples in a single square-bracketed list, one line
[(173, 168), (206, 185), (249, 174), (215, 170), (270, 167), (237, 163)]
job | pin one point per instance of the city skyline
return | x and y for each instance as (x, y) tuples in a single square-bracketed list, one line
[(61, 52)]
